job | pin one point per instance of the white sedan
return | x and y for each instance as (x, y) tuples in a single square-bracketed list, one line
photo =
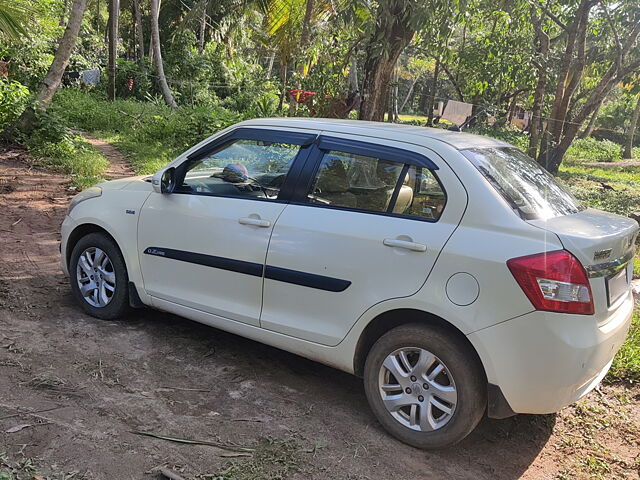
[(449, 270)]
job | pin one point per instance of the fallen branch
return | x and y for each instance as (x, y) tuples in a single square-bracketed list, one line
[(31, 413), (183, 389), (224, 446), (170, 474)]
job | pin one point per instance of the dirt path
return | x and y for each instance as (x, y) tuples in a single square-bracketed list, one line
[(94, 382), (119, 165), (622, 163)]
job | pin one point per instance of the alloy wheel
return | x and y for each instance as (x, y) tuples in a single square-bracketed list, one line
[(417, 389), (96, 277)]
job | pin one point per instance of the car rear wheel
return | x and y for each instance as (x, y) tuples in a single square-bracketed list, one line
[(425, 386), (99, 279)]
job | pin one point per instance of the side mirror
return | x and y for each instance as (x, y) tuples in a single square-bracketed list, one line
[(168, 180)]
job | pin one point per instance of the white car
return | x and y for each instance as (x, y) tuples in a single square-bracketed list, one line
[(448, 270)]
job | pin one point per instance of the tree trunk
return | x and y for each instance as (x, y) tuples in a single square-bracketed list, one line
[(453, 81), (26, 121), (97, 17), (306, 25), (157, 55), (424, 96), (353, 75), (554, 140), (151, 45), (385, 46), (592, 123), (552, 151), (535, 125), (283, 85), (432, 94), (114, 14), (393, 107), (272, 59), (628, 148), (137, 20), (512, 109), (203, 29), (576, 34), (406, 99)]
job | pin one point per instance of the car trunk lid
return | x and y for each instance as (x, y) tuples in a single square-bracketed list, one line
[(596, 238)]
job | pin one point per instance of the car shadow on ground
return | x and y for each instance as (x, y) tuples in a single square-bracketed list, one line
[(502, 449)]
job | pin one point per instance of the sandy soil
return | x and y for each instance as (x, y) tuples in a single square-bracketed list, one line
[(83, 386)]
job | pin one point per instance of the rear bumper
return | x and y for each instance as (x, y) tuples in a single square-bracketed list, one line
[(544, 361)]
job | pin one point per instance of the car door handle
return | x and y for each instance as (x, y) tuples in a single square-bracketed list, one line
[(256, 222), (394, 242)]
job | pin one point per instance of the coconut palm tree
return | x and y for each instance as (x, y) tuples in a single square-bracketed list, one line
[(44, 96)]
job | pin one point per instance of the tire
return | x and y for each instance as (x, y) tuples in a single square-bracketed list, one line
[(109, 299), (459, 386)]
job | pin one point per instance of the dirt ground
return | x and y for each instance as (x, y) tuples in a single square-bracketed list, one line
[(82, 386)]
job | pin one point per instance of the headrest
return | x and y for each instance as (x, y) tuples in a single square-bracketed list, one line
[(333, 177)]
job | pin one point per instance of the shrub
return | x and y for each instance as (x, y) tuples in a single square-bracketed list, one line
[(593, 150), (139, 74), (13, 100), (514, 137), (58, 148)]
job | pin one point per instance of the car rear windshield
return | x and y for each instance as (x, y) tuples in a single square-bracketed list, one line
[(530, 190)]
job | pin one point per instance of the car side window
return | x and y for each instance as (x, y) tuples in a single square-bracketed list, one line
[(427, 196), (373, 184), (248, 168), (355, 181)]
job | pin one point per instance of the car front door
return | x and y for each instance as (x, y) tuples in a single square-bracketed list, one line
[(204, 245), (367, 226)]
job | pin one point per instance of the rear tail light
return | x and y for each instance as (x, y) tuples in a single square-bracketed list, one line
[(554, 281)]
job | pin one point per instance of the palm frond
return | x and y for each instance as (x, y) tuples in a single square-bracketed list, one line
[(12, 20)]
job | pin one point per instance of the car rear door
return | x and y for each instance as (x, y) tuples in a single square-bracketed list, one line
[(204, 245), (366, 225)]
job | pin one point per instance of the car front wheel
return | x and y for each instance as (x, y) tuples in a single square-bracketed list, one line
[(99, 279), (425, 385)]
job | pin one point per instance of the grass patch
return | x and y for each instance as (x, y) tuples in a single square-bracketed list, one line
[(413, 118), (83, 162), (272, 460), (56, 147), (593, 150), (626, 364), (149, 133), (614, 189), (26, 469)]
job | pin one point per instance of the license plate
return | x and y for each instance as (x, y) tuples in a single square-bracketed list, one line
[(617, 285)]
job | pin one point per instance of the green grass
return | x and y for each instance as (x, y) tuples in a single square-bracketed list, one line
[(272, 460), (150, 134), (626, 364), (145, 158), (615, 189), (413, 118), (73, 156), (26, 469)]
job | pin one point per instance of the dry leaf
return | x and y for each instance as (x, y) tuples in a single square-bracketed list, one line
[(17, 428), (235, 454)]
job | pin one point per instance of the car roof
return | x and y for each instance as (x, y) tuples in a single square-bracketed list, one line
[(390, 131)]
